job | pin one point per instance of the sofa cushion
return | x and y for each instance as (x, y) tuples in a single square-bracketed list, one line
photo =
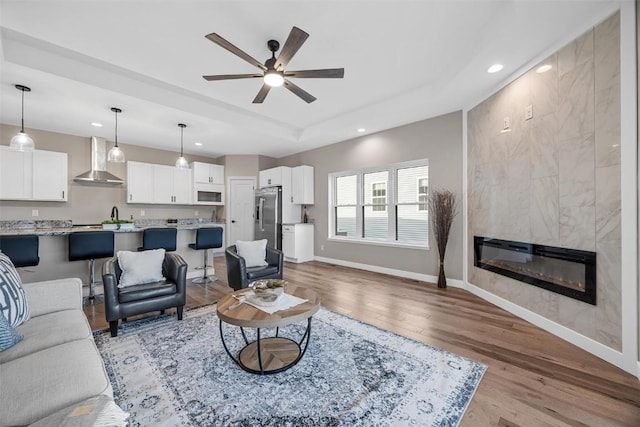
[(8, 336), (254, 252), (146, 291), (140, 267), (13, 301), (41, 383), (49, 330)]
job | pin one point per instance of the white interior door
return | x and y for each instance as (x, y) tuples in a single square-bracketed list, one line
[(240, 203)]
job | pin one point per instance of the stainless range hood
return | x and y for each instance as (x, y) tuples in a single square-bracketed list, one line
[(98, 172)]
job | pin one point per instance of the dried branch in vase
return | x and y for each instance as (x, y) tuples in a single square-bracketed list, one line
[(442, 209)]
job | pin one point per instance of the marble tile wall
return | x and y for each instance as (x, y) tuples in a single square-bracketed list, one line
[(555, 179)]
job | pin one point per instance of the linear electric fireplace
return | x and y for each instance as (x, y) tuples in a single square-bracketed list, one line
[(569, 272)]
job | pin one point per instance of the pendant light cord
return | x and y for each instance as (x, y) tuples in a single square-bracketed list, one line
[(22, 117), (181, 141), (116, 128)]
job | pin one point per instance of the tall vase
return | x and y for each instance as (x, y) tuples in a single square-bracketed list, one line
[(442, 279)]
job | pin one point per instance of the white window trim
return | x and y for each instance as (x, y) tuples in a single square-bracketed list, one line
[(391, 203)]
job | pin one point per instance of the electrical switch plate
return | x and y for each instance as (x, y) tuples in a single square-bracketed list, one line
[(528, 114), (142, 213), (34, 212)]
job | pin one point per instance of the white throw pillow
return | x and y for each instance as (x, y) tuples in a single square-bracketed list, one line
[(254, 252), (140, 267)]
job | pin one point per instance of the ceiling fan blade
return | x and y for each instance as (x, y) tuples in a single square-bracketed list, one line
[(329, 73), (262, 94), (231, 76), (296, 38), (300, 92), (235, 50)]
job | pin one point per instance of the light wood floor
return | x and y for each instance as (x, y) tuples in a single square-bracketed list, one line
[(534, 378)]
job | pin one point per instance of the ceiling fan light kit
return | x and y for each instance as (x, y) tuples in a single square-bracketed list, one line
[(22, 141), (273, 70), (116, 155)]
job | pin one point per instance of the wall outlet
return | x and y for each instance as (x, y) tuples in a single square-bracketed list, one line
[(142, 213), (322, 247), (196, 213), (34, 212), (528, 113)]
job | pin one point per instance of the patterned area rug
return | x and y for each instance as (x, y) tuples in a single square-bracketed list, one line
[(176, 373)]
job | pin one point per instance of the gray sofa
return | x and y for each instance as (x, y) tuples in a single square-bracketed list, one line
[(56, 367)]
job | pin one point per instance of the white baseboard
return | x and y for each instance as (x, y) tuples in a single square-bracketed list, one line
[(455, 283), (597, 349)]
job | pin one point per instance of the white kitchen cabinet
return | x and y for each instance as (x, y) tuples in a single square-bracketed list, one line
[(207, 173), (275, 176), (35, 175), (158, 184), (50, 179), (171, 185), (139, 182), (297, 242), (208, 184), (16, 176), (302, 185)]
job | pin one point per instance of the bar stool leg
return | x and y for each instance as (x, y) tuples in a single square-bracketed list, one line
[(91, 299), (204, 278)]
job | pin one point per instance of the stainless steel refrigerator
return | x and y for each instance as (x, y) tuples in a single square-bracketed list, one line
[(268, 217)]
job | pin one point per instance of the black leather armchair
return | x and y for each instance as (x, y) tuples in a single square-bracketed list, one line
[(132, 300), (239, 275)]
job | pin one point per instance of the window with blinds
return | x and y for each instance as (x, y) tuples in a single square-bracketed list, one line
[(386, 204)]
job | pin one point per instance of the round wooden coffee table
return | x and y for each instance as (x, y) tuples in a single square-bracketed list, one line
[(268, 355)]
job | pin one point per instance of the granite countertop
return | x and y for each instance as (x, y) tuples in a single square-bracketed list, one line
[(64, 227)]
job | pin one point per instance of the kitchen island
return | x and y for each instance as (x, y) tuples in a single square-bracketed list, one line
[(53, 242)]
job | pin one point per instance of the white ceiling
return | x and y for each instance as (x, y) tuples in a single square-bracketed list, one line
[(404, 61)]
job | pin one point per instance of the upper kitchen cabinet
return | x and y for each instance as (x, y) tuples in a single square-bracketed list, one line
[(171, 185), (206, 173), (208, 184), (158, 184), (139, 182), (275, 176), (302, 185), (37, 175)]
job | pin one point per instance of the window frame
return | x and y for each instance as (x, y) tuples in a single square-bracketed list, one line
[(391, 206), (420, 193)]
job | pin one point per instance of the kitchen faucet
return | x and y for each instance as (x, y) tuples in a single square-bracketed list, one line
[(114, 213)]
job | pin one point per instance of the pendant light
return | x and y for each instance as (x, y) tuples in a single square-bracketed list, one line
[(182, 162), (22, 141), (115, 154)]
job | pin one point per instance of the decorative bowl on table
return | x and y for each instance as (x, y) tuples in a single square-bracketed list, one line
[(267, 292)]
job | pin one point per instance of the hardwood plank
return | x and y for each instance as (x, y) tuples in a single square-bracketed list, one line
[(533, 379)]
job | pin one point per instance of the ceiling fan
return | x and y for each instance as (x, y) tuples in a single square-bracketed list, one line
[(273, 70)]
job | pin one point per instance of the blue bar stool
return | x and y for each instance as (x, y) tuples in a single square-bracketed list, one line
[(157, 238), (91, 245), (21, 250), (206, 238)]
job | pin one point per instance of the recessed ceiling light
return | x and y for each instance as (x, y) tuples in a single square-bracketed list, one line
[(199, 144), (360, 130), (495, 68), (543, 68), (96, 124)]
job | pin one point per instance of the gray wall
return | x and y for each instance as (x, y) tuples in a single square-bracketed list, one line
[(439, 139), (555, 179), (91, 203)]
